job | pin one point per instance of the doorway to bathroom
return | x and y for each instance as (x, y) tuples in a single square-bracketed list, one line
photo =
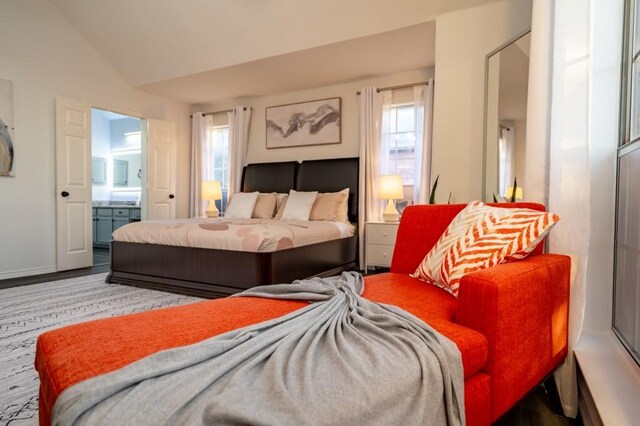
[(117, 175)]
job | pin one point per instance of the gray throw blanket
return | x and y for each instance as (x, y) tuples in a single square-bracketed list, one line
[(342, 360)]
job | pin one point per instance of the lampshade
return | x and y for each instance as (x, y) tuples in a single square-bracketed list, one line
[(211, 190), (509, 193), (391, 187)]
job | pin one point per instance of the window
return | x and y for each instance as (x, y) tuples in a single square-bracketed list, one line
[(626, 309), (216, 160), (398, 152)]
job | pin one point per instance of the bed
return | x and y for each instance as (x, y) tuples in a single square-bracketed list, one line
[(215, 273)]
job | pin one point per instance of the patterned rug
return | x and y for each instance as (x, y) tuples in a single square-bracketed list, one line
[(26, 312)]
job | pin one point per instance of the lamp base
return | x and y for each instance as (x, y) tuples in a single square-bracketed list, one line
[(213, 210), (390, 213)]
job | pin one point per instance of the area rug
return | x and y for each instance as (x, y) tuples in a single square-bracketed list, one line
[(26, 312)]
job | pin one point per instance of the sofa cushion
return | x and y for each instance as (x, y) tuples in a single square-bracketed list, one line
[(479, 237), (434, 306)]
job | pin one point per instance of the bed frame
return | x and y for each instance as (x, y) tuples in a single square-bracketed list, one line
[(215, 273)]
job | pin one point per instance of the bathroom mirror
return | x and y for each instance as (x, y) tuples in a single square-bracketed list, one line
[(506, 85), (126, 169)]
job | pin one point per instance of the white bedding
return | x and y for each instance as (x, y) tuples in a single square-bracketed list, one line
[(255, 235)]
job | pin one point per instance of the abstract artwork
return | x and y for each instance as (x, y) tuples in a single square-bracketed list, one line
[(6, 128), (306, 123)]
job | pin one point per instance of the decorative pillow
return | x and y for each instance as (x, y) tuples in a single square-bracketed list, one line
[(330, 206), (479, 237), (265, 206), (299, 205), (241, 205), (281, 201)]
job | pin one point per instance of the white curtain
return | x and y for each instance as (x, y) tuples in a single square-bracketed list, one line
[(370, 117), (569, 174), (198, 139), (506, 166), (423, 103), (239, 119), (385, 143)]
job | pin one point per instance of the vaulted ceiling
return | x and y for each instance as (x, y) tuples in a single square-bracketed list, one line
[(210, 50)]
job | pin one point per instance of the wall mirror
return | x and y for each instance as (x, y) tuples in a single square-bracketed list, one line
[(126, 167), (506, 85)]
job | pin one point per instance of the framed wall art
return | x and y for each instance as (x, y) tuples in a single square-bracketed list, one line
[(6, 128), (304, 123)]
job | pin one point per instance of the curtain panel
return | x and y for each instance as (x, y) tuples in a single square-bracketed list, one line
[(423, 104), (370, 118), (198, 139), (239, 119)]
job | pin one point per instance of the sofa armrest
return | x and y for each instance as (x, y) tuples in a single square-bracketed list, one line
[(522, 309)]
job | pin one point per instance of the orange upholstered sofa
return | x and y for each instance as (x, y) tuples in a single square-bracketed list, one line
[(509, 322), (519, 308)]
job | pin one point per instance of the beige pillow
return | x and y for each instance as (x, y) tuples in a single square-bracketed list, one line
[(265, 206), (331, 206), (281, 201)]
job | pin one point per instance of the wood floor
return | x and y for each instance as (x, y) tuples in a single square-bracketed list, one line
[(100, 264), (533, 410)]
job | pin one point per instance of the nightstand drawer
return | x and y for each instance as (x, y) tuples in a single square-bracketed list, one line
[(380, 233), (379, 255)]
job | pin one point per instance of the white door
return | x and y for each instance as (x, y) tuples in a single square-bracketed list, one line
[(161, 170), (74, 225)]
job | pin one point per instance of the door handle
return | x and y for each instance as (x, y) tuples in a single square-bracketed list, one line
[(172, 196), (64, 193)]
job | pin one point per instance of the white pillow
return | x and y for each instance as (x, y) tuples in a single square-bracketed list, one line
[(299, 205), (241, 205)]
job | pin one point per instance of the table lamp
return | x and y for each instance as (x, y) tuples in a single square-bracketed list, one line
[(212, 191), (391, 189), (509, 194)]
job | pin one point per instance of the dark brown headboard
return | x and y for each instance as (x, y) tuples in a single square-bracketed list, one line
[(331, 175), (269, 177)]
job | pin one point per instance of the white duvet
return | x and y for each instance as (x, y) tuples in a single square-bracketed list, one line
[(256, 235)]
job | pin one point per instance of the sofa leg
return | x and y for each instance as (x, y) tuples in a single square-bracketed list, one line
[(554, 397)]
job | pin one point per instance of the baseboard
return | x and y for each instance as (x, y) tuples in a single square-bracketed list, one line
[(27, 272)]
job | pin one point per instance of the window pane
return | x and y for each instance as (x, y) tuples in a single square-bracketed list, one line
[(405, 119), (635, 99), (627, 277), (406, 140)]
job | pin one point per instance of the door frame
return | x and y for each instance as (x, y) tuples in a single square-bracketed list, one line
[(144, 165)]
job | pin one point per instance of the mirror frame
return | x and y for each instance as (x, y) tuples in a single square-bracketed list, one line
[(489, 197)]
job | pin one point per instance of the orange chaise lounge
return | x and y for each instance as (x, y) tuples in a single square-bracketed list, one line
[(509, 322)]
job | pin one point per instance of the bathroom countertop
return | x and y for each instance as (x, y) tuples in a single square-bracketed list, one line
[(115, 206)]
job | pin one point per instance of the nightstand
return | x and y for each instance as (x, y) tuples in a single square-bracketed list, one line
[(380, 239)]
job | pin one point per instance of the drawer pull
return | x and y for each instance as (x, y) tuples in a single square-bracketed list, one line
[(385, 234)]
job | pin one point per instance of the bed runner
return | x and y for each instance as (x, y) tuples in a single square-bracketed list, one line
[(341, 360)]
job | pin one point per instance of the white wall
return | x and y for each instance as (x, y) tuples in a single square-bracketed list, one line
[(45, 58), (257, 151), (463, 39)]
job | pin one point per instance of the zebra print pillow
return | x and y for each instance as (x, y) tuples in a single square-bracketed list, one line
[(479, 237)]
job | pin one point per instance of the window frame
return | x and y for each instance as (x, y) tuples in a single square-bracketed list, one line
[(626, 145), (395, 107)]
